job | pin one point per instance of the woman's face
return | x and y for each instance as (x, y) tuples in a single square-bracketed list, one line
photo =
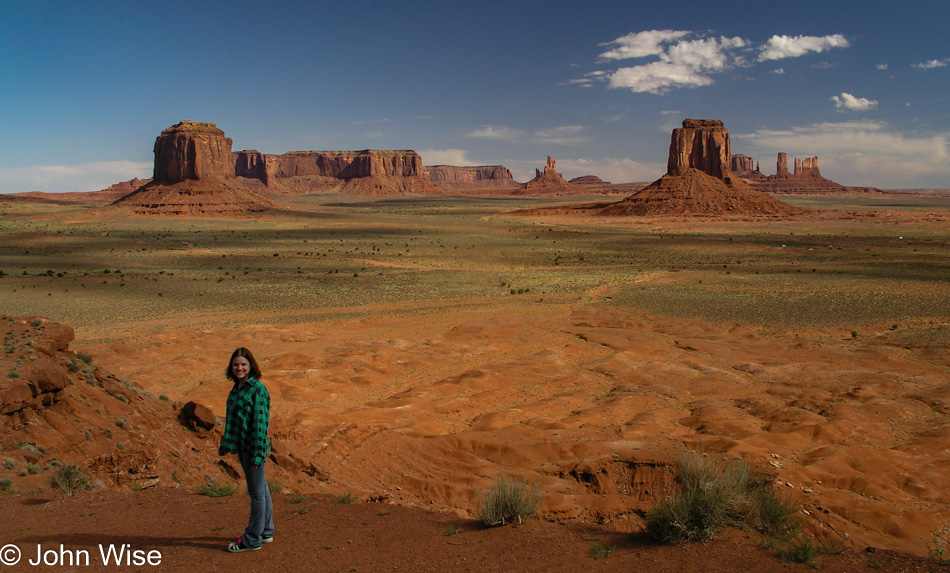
[(241, 368)]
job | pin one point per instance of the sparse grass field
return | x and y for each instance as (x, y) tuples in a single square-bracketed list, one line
[(864, 260)]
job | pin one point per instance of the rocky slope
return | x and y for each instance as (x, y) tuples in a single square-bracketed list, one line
[(57, 407)]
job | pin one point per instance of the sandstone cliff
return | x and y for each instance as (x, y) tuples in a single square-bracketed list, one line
[(701, 144), (699, 180), (191, 150), (193, 176), (476, 177), (743, 165), (387, 172)]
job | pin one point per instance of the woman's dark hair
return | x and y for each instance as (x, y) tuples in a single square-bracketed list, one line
[(243, 353)]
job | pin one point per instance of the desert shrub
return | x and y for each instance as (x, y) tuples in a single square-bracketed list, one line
[(274, 486), (212, 488), (69, 479), (601, 551), (6, 485), (509, 501), (800, 550), (345, 499), (714, 496)]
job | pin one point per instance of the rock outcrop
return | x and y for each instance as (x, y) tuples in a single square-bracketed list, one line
[(548, 181), (476, 177), (194, 176), (102, 197), (743, 165), (588, 180), (191, 150), (806, 178), (384, 172), (701, 144), (699, 180), (57, 407)]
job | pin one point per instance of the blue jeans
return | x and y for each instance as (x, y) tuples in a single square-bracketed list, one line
[(261, 522)]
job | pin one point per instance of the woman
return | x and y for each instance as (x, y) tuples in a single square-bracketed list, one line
[(245, 434)]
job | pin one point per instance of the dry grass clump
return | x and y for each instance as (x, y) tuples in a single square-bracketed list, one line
[(509, 501), (717, 495), (69, 479)]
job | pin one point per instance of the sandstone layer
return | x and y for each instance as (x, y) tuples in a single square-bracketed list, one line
[(191, 150), (699, 180), (476, 177)]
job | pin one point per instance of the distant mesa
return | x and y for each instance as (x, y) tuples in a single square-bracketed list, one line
[(455, 178), (197, 174), (699, 180), (588, 180)]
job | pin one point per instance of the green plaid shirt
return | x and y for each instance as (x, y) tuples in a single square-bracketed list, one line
[(246, 421)]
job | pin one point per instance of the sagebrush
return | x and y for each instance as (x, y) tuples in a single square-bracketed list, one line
[(715, 495), (510, 501), (69, 479)]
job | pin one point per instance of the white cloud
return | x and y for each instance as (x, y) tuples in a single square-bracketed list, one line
[(865, 153), (932, 64), (658, 78), (689, 60), (497, 132), (780, 47), (882, 66), (371, 121), (779, 71), (458, 157), (641, 44), (67, 178), (564, 135), (846, 102)]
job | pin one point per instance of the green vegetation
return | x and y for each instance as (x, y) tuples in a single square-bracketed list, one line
[(846, 269), (6, 485), (509, 501), (213, 489), (716, 495), (69, 479), (346, 498), (601, 551), (274, 486), (451, 530)]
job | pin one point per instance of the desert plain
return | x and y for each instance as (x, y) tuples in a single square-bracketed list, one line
[(418, 347)]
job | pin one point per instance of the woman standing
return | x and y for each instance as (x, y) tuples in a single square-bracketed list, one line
[(245, 434)]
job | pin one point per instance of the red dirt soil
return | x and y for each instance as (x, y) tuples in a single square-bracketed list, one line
[(191, 532)]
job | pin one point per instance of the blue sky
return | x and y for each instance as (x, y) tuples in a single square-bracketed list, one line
[(85, 87)]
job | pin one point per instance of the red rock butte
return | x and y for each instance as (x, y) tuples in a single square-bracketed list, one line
[(806, 177), (699, 180), (548, 181), (196, 173)]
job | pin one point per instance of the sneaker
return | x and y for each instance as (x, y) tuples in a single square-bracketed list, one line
[(267, 538), (239, 546)]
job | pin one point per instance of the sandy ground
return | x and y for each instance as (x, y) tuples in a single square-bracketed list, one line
[(412, 380), (593, 403), (180, 531)]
